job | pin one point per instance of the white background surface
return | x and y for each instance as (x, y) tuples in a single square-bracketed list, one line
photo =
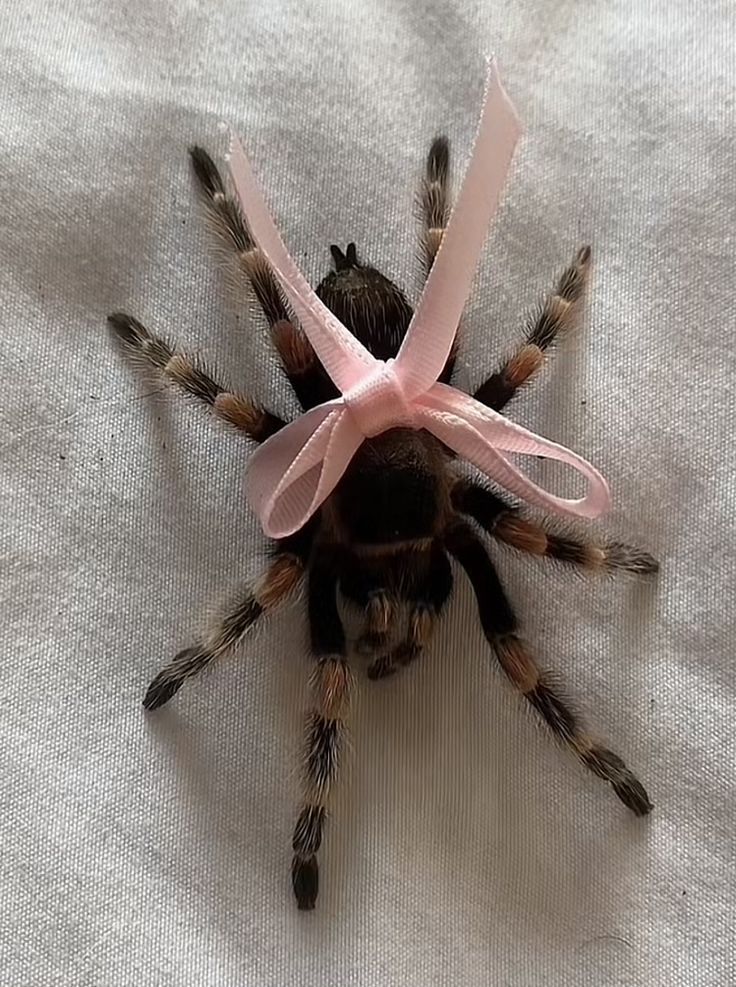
[(464, 848)]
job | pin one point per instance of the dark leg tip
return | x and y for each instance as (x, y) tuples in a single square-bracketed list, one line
[(631, 559), (305, 881), (634, 796), (126, 328), (648, 565), (160, 691), (611, 768), (438, 159), (583, 255), (206, 171)]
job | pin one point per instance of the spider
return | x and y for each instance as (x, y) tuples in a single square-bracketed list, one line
[(384, 538)]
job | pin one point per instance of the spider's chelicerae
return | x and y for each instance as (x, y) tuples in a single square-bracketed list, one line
[(402, 510)]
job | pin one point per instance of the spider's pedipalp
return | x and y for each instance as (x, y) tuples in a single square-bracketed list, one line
[(500, 625), (282, 577), (189, 374), (380, 614), (559, 313), (422, 621), (423, 579)]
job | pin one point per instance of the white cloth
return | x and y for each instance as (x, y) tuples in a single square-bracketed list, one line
[(464, 847)]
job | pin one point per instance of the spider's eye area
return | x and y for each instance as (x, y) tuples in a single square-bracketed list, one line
[(388, 503)]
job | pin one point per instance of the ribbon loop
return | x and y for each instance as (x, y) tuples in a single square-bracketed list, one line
[(294, 472)]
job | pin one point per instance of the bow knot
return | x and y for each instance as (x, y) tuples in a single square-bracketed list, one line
[(378, 402), (298, 467)]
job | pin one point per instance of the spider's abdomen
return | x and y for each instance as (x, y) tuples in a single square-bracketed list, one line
[(394, 490), (364, 300)]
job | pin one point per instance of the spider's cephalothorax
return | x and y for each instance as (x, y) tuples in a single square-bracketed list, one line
[(385, 537)]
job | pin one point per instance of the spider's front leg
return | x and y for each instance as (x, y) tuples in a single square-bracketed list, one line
[(331, 683), (187, 372), (559, 312), (281, 578), (500, 626), (306, 374), (434, 199)]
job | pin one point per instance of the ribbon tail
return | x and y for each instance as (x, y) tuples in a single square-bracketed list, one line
[(432, 330)]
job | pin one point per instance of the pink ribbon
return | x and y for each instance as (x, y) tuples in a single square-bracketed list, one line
[(293, 472)]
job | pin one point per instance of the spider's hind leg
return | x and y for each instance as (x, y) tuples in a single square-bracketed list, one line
[(500, 626)]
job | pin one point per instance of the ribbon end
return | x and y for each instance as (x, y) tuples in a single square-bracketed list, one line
[(234, 146)]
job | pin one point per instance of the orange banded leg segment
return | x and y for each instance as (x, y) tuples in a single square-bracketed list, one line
[(558, 314), (500, 627), (191, 376), (282, 577)]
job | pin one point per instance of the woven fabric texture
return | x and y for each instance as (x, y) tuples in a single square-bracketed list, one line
[(463, 848)]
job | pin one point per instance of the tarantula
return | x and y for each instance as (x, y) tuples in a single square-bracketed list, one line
[(385, 537)]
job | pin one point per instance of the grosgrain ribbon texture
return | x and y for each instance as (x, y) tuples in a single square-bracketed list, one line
[(295, 470)]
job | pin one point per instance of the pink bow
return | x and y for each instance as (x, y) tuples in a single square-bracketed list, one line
[(292, 473)]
